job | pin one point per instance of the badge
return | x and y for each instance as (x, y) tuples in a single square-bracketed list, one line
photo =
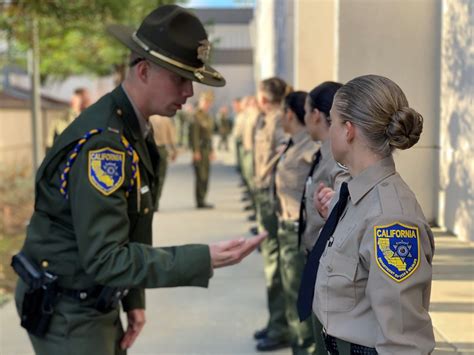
[(397, 249), (106, 169)]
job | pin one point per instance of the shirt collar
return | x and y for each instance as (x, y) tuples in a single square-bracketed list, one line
[(326, 149), (366, 180), (145, 125)]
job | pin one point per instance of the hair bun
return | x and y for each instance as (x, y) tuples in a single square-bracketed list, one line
[(405, 128)]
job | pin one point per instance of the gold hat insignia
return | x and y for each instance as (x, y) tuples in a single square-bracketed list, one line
[(204, 50)]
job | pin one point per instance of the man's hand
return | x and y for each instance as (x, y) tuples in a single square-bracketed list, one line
[(136, 321), (197, 156), (322, 199), (233, 251), (212, 156)]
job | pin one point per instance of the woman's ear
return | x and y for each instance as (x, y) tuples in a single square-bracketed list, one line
[(350, 131)]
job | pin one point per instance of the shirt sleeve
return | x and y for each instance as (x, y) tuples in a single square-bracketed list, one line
[(101, 225), (398, 253)]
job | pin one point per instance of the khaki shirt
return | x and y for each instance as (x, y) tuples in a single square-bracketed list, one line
[(268, 137), (291, 171), (164, 132), (201, 131), (373, 287), (239, 126), (331, 174), (248, 134)]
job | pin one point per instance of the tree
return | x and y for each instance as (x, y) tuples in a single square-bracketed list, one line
[(72, 36)]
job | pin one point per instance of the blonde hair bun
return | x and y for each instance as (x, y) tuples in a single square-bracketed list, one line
[(404, 128)]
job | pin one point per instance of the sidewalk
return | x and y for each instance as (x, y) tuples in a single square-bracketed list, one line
[(222, 318)]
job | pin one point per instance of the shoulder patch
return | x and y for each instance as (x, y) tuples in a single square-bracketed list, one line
[(106, 169), (397, 250)]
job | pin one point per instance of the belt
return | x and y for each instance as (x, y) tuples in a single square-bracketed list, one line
[(331, 346), (91, 292)]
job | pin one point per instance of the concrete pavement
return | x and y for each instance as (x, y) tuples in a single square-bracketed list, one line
[(222, 318)]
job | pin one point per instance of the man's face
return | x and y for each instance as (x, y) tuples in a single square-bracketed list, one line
[(167, 91)]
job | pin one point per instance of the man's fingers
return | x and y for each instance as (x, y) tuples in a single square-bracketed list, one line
[(127, 339)]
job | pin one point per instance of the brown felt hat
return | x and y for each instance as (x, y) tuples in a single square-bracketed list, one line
[(175, 39)]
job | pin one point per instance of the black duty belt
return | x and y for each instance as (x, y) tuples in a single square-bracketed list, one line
[(88, 293), (331, 346)]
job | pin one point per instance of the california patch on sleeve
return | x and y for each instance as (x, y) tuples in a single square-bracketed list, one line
[(106, 169), (397, 249)]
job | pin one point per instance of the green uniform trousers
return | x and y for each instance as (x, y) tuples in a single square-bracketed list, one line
[(291, 269), (77, 328), (268, 221), (201, 170), (162, 167)]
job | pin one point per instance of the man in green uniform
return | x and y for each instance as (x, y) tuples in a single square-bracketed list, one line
[(88, 245), (201, 143)]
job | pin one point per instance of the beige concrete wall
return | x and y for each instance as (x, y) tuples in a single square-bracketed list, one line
[(315, 42), (264, 37), (457, 120), (400, 40)]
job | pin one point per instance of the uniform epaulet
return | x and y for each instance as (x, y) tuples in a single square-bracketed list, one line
[(72, 157)]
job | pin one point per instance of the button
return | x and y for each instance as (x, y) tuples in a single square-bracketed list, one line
[(125, 292), (83, 295), (119, 112), (384, 184), (146, 210), (329, 268), (118, 294), (44, 264)]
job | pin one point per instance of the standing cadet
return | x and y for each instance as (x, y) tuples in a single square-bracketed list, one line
[(225, 127), (289, 175), (370, 269), (324, 170), (269, 138), (88, 244), (202, 127), (164, 134)]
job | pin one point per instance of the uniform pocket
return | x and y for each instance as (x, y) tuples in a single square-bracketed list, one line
[(340, 273)]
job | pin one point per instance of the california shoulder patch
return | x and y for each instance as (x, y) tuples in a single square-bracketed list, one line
[(397, 249), (106, 169)]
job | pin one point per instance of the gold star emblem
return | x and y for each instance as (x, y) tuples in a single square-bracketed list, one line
[(204, 50)]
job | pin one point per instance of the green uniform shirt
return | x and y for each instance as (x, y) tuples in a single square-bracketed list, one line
[(102, 233), (201, 131)]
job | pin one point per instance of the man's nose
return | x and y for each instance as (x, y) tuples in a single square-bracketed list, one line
[(188, 90)]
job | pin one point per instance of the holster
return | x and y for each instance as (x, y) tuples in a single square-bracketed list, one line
[(40, 298)]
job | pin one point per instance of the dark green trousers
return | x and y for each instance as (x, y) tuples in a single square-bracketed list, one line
[(162, 168), (268, 221), (201, 170), (291, 269), (77, 328)]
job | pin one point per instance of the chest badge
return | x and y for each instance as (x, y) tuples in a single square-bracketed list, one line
[(106, 169), (397, 250)]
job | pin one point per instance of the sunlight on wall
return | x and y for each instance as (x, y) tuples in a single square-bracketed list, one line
[(457, 120)]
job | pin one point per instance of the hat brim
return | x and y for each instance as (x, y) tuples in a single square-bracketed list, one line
[(124, 35)]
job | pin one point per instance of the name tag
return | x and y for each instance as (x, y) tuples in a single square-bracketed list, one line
[(144, 189)]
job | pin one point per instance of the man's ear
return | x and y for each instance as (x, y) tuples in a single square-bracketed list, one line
[(350, 131), (141, 70)]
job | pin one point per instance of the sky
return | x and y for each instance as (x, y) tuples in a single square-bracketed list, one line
[(220, 3)]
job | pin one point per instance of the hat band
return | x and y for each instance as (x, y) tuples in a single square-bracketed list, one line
[(198, 72)]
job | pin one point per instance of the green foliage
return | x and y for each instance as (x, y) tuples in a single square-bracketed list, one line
[(72, 34)]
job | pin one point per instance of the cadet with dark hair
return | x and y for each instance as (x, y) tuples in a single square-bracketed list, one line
[(289, 175), (269, 139), (88, 244), (368, 277)]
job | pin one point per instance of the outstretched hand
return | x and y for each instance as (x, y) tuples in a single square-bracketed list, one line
[(231, 252), (322, 199)]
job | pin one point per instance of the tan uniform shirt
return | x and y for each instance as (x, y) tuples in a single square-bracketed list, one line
[(248, 134), (268, 137), (374, 281), (291, 172), (164, 132), (239, 125), (331, 174)]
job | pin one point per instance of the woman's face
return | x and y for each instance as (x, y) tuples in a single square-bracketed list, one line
[(338, 135), (310, 119)]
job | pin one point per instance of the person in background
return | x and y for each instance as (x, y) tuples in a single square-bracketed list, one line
[(164, 134), (289, 176), (324, 170), (80, 100), (225, 127), (368, 277), (201, 143), (269, 139)]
